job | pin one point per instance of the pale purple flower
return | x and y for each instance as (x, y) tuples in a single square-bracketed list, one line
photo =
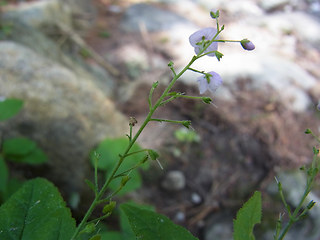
[(199, 38), (247, 44), (318, 106), (210, 81)]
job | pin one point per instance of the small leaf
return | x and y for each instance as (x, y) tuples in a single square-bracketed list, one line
[(148, 225), (18, 146), (37, 156), (96, 237), (35, 212), (9, 107), (23, 150), (247, 217), (91, 185)]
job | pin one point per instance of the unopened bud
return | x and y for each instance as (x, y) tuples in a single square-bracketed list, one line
[(109, 207), (132, 121), (308, 131), (207, 100), (214, 14), (311, 204), (247, 44), (124, 180), (186, 123)]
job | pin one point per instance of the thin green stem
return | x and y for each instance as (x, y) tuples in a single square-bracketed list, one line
[(294, 216), (100, 218), (195, 70), (167, 120), (152, 109), (130, 132), (224, 41)]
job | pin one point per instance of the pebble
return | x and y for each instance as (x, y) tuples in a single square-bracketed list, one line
[(174, 181)]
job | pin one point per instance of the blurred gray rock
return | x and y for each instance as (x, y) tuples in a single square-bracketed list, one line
[(64, 112), (271, 5), (174, 181), (219, 226), (153, 18), (39, 14)]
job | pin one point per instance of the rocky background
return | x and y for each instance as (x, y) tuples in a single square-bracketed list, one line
[(83, 67)]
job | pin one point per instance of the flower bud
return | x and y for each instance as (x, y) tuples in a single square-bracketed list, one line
[(207, 100), (109, 207), (214, 14), (132, 121), (247, 44), (307, 131), (124, 180)]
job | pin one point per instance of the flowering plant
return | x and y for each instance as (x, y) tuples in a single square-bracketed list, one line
[(37, 211)]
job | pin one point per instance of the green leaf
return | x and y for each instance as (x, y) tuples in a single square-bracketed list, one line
[(12, 186), (4, 175), (23, 150), (148, 225), (37, 156), (127, 232), (247, 217), (18, 146), (112, 235), (36, 212), (9, 107), (96, 237)]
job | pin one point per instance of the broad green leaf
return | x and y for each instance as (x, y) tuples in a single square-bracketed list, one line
[(12, 186), (148, 225), (9, 107), (112, 235), (23, 150), (36, 212), (247, 217), (4, 175), (18, 146), (127, 231)]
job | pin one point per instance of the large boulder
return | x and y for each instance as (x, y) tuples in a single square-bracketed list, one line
[(64, 112)]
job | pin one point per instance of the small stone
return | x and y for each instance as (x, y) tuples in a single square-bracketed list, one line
[(174, 181), (180, 216), (196, 198)]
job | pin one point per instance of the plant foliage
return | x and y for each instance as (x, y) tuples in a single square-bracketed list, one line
[(36, 212), (247, 217)]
